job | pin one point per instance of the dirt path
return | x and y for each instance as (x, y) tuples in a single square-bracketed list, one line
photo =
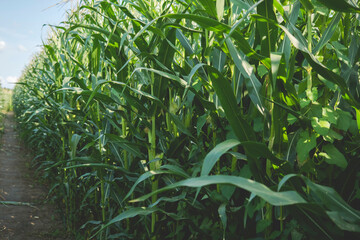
[(17, 184)]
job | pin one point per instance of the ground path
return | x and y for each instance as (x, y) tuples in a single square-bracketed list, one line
[(17, 184)]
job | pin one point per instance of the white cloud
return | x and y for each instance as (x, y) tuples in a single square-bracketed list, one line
[(2, 45), (8, 82), (2, 81), (12, 79), (22, 48)]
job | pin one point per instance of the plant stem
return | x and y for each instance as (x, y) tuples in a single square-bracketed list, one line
[(152, 155), (309, 38), (124, 126)]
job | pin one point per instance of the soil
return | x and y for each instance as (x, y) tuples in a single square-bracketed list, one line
[(37, 220)]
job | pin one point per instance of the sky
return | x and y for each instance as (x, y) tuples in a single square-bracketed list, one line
[(22, 31)]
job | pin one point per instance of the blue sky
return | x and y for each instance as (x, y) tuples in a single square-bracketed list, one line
[(22, 31)]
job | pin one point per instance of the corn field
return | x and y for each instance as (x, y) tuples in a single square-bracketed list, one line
[(5, 105), (199, 119)]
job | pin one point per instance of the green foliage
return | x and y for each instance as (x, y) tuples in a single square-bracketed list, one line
[(199, 119), (5, 105)]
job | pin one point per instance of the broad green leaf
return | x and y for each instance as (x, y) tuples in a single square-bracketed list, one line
[(329, 115), (274, 198), (333, 156), (312, 94), (306, 143), (332, 135), (334, 203), (321, 126), (343, 222)]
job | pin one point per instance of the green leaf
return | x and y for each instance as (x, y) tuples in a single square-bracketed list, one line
[(332, 201), (142, 178), (344, 120), (220, 4), (262, 225), (165, 56), (221, 28), (274, 198), (312, 94), (358, 118), (75, 138), (179, 124), (328, 33), (253, 85), (275, 65), (340, 5), (131, 147), (222, 87), (320, 126), (184, 42), (286, 45), (332, 135), (222, 215), (200, 123), (342, 222), (307, 4), (300, 43), (213, 156), (306, 143), (267, 33), (95, 57), (330, 115), (333, 156), (133, 212), (95, 92), (210, 7)]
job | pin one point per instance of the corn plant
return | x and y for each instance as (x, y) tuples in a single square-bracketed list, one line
[(202, 119)]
